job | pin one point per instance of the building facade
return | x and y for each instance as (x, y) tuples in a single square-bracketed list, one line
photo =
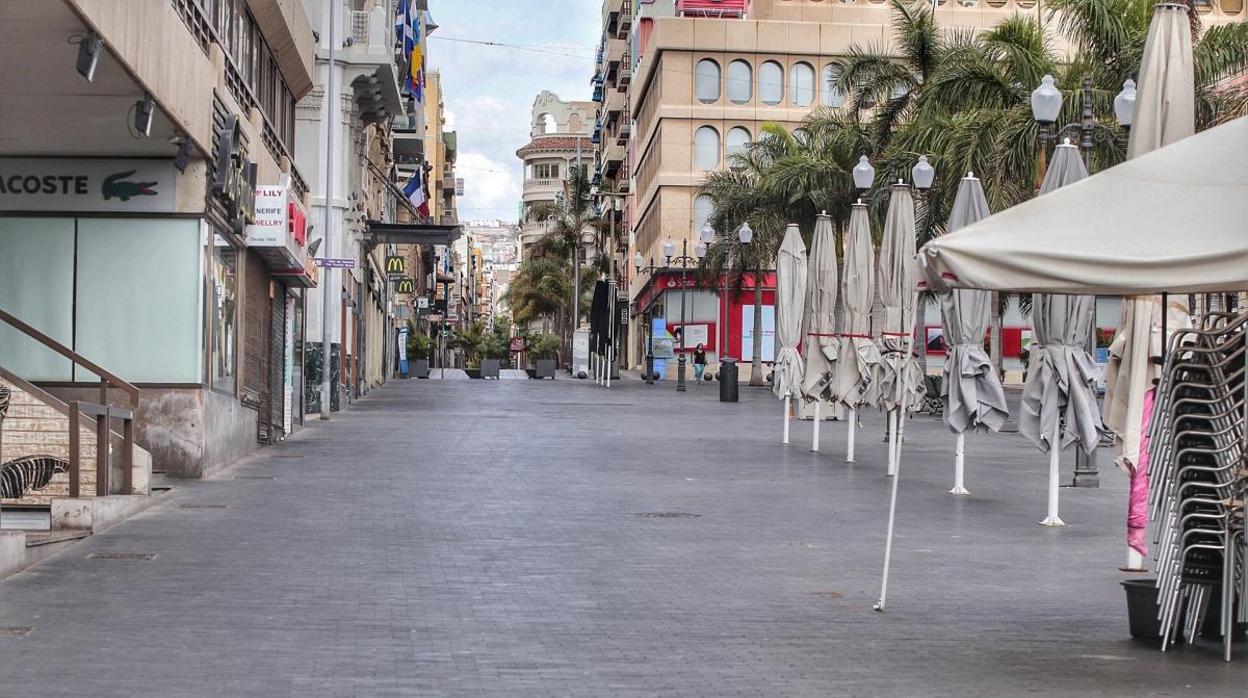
[(160, 223), (559, 134)]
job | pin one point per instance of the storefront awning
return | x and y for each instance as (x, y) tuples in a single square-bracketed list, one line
[(412, 233)]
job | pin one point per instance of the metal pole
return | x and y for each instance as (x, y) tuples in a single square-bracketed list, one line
[(684, 291), (327, 315), (1085, 463)]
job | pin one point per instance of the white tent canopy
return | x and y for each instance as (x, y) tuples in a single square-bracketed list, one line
[(1173, 220)]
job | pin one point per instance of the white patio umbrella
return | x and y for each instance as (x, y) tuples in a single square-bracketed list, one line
[(1059, 399), (1164, 112), (1114, 233), (971, 389), (820, 345), (790, 299), (901, 384), (857, 368)]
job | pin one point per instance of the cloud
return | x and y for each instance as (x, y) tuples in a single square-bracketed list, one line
[(492, 189)]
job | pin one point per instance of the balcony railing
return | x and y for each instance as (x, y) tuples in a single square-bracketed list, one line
[(542, 183)]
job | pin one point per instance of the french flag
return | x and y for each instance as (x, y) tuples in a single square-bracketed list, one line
[(414, 190)]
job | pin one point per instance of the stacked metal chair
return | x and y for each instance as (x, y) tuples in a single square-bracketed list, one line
[(1199, 476)]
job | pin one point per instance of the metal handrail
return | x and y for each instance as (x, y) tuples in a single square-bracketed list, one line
[(105, 376)]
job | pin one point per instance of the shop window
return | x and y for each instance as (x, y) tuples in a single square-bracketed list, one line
[(832, 96), (771, 83), (802, 85), (223, 314), (37, 286), (706, 148), (738, 140), (706, 81), (137, 308), (740, 82)]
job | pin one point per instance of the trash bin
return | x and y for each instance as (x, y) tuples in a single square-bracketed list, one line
[(728, 380), (1142, 608)]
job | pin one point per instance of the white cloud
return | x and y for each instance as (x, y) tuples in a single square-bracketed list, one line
[(491, 189)]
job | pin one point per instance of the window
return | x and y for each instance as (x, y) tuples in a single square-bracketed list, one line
[(548, 123), (702, 209), (706, 81), (803, 87), (740, 82), (223, 313), (832, 96), (546, 170), (771, 83), (37, 285), (738, 139), (706, 148), (137, 308)]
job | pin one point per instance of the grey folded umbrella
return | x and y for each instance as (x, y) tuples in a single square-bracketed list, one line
[(971, 390), (857, 367), (1061, 380), (790, 301), (819, 343), (901, 385)]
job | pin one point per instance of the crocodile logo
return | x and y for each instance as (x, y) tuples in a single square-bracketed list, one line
[(116, 186)]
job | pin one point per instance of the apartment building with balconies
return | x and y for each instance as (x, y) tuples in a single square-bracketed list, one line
[(559, 141)]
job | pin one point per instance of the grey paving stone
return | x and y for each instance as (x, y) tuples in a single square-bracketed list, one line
[(483, 538)]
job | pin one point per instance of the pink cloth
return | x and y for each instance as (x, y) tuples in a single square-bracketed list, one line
[(1137, 503)]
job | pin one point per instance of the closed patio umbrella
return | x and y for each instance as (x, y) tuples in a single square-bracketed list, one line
[(857, 368), (901, 383), (790, 301), (1164, 113), (820, 345), (1059, 399), (971, 389)]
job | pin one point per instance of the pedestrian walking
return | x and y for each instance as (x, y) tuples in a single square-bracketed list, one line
[(699, 362)]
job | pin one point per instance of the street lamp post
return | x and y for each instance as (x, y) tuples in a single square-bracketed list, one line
[(745, 234), (1046, 105), (684, 261)]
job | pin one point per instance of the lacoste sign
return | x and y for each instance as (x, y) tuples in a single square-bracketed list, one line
[(84, 185)]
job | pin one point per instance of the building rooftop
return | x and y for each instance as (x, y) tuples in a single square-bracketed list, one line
[(555, 142)]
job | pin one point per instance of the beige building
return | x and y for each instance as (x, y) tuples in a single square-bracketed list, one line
[(560, 140), (684, 83)]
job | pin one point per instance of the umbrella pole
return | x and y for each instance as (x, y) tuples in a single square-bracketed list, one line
[(892, 443), (1055, 453), (892, 510), (853, 423), (610, 363), (959, 463), (814, 442), (786, 419)]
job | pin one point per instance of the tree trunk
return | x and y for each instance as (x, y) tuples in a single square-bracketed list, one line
[(756, 365), (994, 341)]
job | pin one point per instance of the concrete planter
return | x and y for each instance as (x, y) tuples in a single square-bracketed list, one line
[(546, 368), (420, 368), (490, 368)]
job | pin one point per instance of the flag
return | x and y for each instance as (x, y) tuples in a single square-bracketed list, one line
[(408, 30), (414, 190)]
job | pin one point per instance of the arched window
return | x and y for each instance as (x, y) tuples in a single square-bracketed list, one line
[(740, 82), (832, 97), (549, 125), (702, 209), (737, 140), (575, 123), (771, 83), (706, 81), (706, 148), (803, 85)]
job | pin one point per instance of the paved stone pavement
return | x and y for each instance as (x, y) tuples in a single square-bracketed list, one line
[(485, 538)]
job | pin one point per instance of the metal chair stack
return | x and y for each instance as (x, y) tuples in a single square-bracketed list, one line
[(1199, 476)]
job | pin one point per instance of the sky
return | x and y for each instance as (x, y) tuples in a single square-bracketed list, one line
[(489, 90)]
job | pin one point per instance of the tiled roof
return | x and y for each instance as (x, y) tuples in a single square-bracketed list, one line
[(542, 143)]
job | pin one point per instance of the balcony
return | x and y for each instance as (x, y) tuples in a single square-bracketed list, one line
[(615, 55), (612, 159), (409, 141), (712, 8), (611, 10), (626, 70), (623, 132), (625, 23), (614, 105), (372, 69)]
